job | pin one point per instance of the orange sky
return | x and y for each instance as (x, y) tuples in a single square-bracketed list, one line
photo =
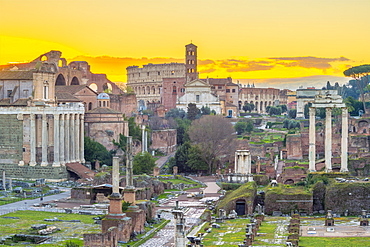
[(279, 43)]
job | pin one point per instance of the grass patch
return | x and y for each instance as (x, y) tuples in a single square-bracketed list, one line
[(334, 242), (71, 230)]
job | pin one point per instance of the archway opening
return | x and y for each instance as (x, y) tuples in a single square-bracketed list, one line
[(61, 81), (107, 88), (94, 87), (75, 81)]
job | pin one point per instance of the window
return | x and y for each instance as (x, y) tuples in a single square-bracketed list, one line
[(182, 90), (213, 87), (25, 93), (227, 90), (159, 73), (233, 90), (46, 92), (174, 89), (219, 87), (90, 106), (172, 72), (147, 73), (9, 93), (197, 98)]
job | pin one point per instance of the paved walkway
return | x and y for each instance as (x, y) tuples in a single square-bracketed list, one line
[(27, 204), (162, 160)]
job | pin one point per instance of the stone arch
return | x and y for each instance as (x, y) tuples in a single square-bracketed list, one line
[(75, 81), (44, 58), (240, 104), (148, 90), (107, 87), (143, 90), (265, 105), (261, 106), (269, 103), (60, 81), (153, 90), (289, 181), (256, 106), (94, 87)]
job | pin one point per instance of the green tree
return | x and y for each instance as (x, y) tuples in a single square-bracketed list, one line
[(182, 130), (240, 127), (143, 163), (273, 110), (94, 151), (248, 107), (205, 110), (292, 113), (193, 111), (134, 129), (195, 160), (175, 113), (283, 108), (357, 73), (182, 156), (249, 127)]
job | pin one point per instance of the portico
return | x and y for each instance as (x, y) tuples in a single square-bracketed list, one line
[(328, 99)]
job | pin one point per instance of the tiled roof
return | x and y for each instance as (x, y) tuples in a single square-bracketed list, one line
[(5, 102), (16, 75), (20, 102), (71, 89), (63, 96), (103, 110), (217, 81)]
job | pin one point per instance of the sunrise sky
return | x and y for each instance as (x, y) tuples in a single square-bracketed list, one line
[(275, 43)]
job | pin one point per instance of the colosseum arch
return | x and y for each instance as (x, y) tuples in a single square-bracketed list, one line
[(107, 87), (148, 90), (75, 81), (153, 90), (94, 87), (60, 81)]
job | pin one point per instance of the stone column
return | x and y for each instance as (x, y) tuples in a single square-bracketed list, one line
[(143, 138), (146, 141), (72, 138), (82, 138), (115, 176), (67, 146), (248, 163), (77, 136), (56, 140), (129, 172), (4, 180), (328, 143), (44, 131), (236, 168), (32, 140), (312, 140), (344, 156), (62, 140)]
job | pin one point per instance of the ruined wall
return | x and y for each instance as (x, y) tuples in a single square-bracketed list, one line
[(164, 140), (107, 239), (353, 197), (11, 139), (294, 146), (359, 167), (287, 199)]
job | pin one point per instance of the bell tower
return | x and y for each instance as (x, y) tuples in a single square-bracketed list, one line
[(191, 62)]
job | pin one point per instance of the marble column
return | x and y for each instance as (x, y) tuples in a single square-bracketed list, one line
[(328, 140), (236, 168), (82, 138), (32, 140), (77, 135), (67, 145), (344, 156), (129, 171), (62, 140), (72, 138), (56, 140), (142, 138), (115, 176), (146, 141), (44, 145), (4, 180), (312, 140)]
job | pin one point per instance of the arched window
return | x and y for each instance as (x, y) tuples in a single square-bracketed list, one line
[(90, 106)]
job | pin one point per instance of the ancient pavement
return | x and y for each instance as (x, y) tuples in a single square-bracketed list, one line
[(27, 204), (195, 209)]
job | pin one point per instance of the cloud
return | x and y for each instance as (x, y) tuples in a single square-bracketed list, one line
[(308, 62), (207, 71)]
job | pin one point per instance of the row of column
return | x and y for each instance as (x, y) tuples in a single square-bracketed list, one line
[(68, 139), (328, 140), (243, 163)]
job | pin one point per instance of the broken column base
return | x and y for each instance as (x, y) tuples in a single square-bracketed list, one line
[(138, 218)]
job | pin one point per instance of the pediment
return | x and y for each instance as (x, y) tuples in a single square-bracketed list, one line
[(197, 83)]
